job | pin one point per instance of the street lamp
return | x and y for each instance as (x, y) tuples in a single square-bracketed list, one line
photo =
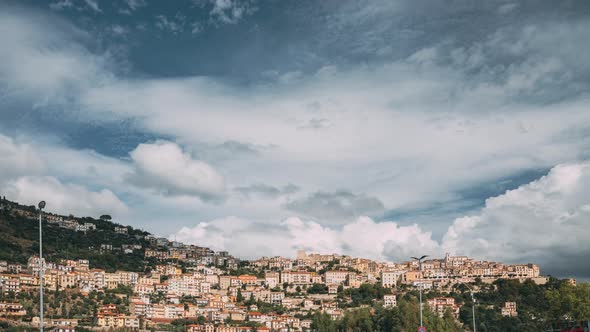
[(473, 306), (420, 285), (41, 325)]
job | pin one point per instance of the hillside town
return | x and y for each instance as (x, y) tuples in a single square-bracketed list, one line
[(217, 292), (206, 287)]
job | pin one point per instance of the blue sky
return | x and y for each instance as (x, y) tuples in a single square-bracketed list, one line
[(375, 128)]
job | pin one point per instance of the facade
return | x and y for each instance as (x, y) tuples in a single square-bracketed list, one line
[(336, 277), (389, 301), (509, 309), (441, 304), (391, 278)]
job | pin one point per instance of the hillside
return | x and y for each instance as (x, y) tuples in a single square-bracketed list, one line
[(20, 239)]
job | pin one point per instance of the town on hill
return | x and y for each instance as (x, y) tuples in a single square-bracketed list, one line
[(102, 276)]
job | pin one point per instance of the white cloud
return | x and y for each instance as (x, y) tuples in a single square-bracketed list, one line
[(35, 170), (45, 65), (60, 5), (231, 11), (174, 24), (119, 30), (434, 124), (135, 4), (409, 131), (18, 159), (64, 198), (363, 237), (93, 4), (164, 167), (545, 221)]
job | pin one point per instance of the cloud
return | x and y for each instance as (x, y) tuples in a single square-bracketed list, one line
[(231, 11), (545, 222), (165, 168), (174, 24), (41, 65), (60, 5), (18, 159), (64, 198), (427, 128), (135, 4), (25, 156), (362, 238), (267, 191), (119, 30), (507, 8), (93, 4), (431, 119), (336, 206)]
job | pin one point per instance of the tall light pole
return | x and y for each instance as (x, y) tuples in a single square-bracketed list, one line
[(420, 285), (41, 207), (473, 306)]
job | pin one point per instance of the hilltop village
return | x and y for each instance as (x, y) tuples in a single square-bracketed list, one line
[(217, 292)]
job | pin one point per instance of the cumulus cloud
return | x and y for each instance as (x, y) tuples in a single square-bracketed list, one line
[(363, 238), (64, 198), (427, 128), (165, 168), (18, 159), (545, 221), (336, 206), (31, 171), (416, 128)]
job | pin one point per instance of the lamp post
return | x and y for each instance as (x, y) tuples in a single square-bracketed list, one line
[(473, 306), (41, 207), (420, 286)]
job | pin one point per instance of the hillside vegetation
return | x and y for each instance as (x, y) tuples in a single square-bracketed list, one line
[(20, 240)]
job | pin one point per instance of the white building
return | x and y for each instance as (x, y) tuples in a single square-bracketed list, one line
[(389, 301)]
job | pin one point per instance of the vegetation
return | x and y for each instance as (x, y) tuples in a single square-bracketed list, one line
[(404, 317), (540, 307), (366, 294), (19, 241)]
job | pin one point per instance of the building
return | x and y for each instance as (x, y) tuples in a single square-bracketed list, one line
[(9, 283), (336, 277), (121, 230), (297, 277), (12, 310), (441, 304), (389, 301), (85, 227), (272, 279), (390, 278), (200, 328), (509, 309)]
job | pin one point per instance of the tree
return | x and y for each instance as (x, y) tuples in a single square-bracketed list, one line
[(240, 297), (106, 217)]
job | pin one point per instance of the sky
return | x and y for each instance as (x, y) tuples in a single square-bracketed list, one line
[(377, 129)]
